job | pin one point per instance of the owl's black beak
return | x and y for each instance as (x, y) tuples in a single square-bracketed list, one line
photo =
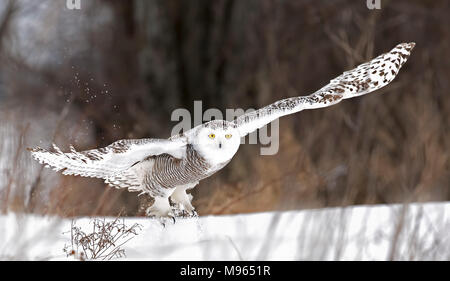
[(220, 145)]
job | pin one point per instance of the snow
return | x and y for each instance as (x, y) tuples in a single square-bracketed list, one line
[(418, 231)]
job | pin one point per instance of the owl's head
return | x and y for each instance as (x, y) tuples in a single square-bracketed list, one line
[(217, 141)]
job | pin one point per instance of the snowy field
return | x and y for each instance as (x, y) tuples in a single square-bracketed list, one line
[(382, 232)]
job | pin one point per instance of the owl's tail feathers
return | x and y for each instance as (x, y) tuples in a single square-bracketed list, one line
[(71, 163)]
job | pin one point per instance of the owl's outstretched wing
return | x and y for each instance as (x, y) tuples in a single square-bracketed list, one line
[(110, 163), (365, 78)]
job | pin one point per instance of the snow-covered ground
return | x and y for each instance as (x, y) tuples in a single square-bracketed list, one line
[(381, 232)]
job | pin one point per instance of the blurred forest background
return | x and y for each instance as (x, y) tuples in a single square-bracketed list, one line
[(117, 69)]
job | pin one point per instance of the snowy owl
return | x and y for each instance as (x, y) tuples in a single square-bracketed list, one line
[(166, 168)]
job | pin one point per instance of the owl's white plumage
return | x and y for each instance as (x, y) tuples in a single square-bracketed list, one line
[(167, 168), (219, 149)]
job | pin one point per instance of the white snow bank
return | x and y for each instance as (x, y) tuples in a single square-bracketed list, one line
[(381, 232)]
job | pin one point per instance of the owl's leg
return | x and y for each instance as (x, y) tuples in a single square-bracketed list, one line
[(180, 197), (160, 208)]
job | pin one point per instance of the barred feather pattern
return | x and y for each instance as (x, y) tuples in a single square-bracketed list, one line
[(155, 174), (164, 172)]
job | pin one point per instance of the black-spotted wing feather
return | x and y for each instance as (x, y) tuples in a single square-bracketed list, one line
[(365, 78)]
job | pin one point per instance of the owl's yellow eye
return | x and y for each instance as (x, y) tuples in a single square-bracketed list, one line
[(211, 136), (228, 136)]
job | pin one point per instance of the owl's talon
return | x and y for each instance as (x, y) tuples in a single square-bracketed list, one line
[(160, 210), (163, 220)]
